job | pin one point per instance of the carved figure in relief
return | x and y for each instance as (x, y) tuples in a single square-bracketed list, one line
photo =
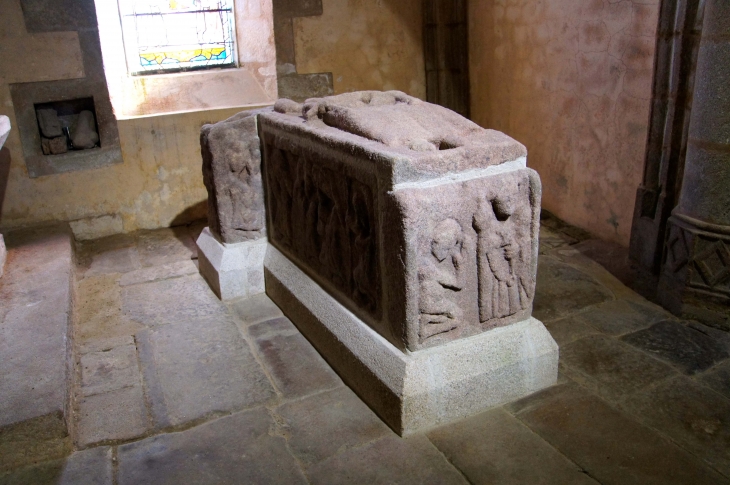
[(360, 225), (282, 195), (504, 284), (440, 277)]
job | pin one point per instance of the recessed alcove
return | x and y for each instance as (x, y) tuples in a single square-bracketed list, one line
[(67, 125), (68, 99)]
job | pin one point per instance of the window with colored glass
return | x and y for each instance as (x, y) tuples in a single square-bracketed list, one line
[(177, 35)]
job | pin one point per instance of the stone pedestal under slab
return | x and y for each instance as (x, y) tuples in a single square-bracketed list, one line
[(231, 270), (414, 391)]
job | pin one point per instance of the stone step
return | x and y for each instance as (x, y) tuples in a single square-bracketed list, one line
[(35, 328)]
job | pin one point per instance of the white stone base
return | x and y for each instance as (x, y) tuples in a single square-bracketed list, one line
[(231, 270), (415, 391)]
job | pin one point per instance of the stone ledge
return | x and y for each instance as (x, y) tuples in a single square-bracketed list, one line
[(415, 391)]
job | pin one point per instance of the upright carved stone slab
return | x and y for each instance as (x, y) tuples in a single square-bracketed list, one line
[(231, 250), (398, 229), (232, 174)]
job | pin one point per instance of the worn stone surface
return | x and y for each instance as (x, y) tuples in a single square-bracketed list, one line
[(607, 444), (476, 255), (610, 368), (390, 460), (165, 246), (83, 132), (619, 317), (329, 423), (562, 290), (566, 330), (49, 123), (54, 146), (232, 175), (255, 309), (109, 369), (169, 301), (452, 266), (87, 467), (296, 368), (718, 378), (155, 273), (111, 416), (691, 415), (687, 348), (35, 305), (204, 368), (32, 441), (242, 448), (494, 447)]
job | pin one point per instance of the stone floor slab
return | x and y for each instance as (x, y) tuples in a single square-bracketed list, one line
[(109, 370), (255, 309), (496, 448), (204, 368), (686, 348), (718, 378), (619, 317), (111, 254), (609, 367), (693, 416), (164, 246), (35, 440), (389, 460), (295, 366), (154, 273), (610, 446), (328, 423), (35, 295), (235, 449), (568, 329), (183, 299), (112, 416), (562, 290)]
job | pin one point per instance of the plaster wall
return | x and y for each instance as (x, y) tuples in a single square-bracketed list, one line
[(366, 44), (159, 183), (571, 79)]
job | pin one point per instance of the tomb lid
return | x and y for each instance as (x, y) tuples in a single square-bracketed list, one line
[(403, 131)]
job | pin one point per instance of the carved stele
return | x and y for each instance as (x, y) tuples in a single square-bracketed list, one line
[(419, 221), (232, 175)]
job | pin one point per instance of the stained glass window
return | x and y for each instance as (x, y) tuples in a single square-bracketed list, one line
[(177, 35)]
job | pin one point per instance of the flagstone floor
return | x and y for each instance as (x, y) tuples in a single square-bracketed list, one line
[(171, 386)]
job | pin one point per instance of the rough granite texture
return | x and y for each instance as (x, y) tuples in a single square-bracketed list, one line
[(415, 391), (232, 176), (419, 221)]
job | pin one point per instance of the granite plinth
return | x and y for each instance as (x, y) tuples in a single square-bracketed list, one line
[(413, 391), (231, 270)]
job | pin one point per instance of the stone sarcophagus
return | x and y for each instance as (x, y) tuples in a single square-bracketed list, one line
[(403, 244)]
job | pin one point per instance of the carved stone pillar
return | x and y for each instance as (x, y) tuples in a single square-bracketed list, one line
[(695, 279)]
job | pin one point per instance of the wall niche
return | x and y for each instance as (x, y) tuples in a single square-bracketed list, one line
[(67, 125)]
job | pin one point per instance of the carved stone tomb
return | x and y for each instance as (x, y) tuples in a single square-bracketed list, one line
[(403, 244)]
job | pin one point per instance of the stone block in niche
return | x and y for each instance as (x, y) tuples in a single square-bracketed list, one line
[(419, 221)]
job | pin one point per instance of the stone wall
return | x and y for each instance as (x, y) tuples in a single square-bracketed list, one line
[(365, 44), (571, 79)]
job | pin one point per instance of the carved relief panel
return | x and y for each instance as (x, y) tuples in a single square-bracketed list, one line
[(325, 218), (473, 264)]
